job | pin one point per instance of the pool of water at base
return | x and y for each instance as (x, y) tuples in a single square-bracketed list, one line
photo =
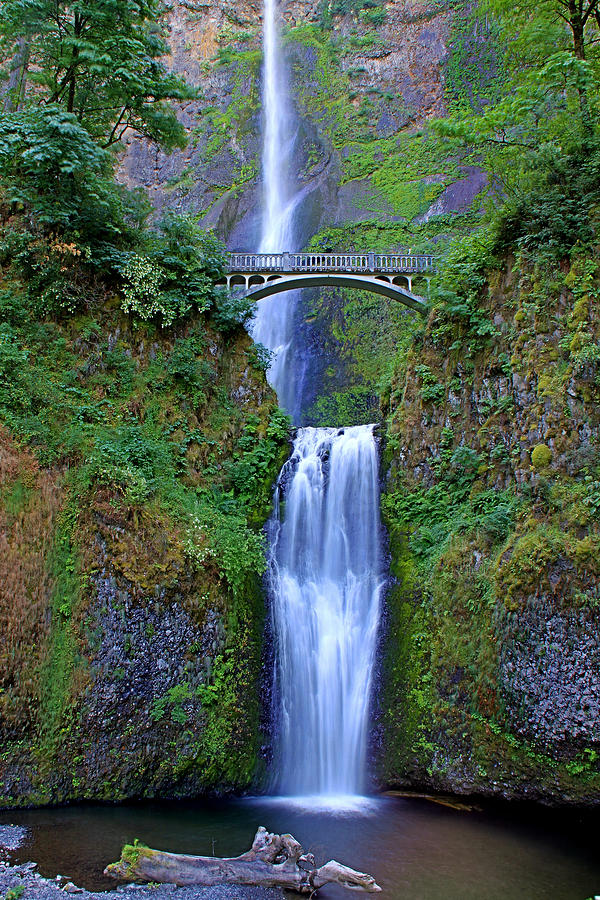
[(415, 848)]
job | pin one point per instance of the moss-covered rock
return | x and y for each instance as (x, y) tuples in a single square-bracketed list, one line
[(541, 456), (133, 487), (493, 655)]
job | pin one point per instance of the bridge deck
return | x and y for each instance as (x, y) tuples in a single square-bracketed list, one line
[(357, 263)]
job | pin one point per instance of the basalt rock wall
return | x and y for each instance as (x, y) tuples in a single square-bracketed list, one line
[(132, 631), (352, 78), (491, 681), (493, 657)]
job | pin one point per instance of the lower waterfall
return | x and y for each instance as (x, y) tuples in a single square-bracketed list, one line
[(325, 585)]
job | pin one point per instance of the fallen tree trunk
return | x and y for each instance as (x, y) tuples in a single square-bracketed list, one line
[(274, 860)]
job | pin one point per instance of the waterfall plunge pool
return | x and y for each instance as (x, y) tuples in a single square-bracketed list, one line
[(415, 849)]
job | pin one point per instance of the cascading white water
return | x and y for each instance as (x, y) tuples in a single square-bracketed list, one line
[(325, 570), (273, 323), (326, 579)]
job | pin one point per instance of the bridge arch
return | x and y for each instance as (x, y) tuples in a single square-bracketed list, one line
[(258, 287)]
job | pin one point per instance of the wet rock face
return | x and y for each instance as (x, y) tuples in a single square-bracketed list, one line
[(407, 61), (143, 648), (218, 173), (194, 33), (493, 672), (550, 674), (139, 657)]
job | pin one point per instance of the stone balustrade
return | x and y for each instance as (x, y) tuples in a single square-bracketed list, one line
[(357, 263)]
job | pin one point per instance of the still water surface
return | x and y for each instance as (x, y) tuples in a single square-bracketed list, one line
[(414, 848)]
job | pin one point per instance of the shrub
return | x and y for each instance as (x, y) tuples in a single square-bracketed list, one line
[(559, 211), (175, 275), (130, 459), (14, 380), (14, 893), (142, 294), (431, 389), (465, 461), (50, 166), (230, 312)]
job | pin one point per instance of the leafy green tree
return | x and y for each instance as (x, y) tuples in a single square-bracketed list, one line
[(100, 60), (538, 137), (63, 217), (579, 17), (52, 171), (572, 26)]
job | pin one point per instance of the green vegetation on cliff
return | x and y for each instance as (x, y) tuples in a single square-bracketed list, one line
[(140, 431), (139, 439), (493, 451), (492, 514)]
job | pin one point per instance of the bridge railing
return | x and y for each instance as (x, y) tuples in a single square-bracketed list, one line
[(327, 262)]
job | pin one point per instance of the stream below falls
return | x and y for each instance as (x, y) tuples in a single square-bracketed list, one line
[(415, 849)]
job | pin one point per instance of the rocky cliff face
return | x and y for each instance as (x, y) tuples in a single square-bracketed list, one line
[(143, 635), (492, 683), (371, 174), (356, 78), (130, 603), (493, 653)]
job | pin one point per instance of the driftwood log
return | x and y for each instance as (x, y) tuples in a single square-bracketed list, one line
[(274, 860)]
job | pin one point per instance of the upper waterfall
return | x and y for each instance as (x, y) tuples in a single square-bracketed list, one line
[(274, 320), (277, 209)]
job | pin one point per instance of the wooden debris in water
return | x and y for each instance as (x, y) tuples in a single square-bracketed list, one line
[(440, 799), (274, 860)]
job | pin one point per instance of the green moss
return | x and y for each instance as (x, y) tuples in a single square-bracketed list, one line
[(474, 69), (131, 853), (14, 497), (58, 669), (169, 481), (541, 456), (15, 893), (473, 561)]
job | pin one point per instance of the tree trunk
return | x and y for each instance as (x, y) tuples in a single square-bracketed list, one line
[(576, 21), (274, 860), (15, 87)]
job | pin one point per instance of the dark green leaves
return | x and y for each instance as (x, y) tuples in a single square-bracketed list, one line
[(560, 210), (176, 274), (51, 166), (101, 60)]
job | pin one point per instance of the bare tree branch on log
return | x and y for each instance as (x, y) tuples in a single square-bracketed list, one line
[(274, 860)]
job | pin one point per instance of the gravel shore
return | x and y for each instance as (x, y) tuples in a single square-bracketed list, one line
[(25, 882), (35, 886)]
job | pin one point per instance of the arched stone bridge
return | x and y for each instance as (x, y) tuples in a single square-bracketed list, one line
[(264, 274)]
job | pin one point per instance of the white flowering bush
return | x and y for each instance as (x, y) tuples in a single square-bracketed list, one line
[(176, 275), (197, 547), (229, 543), (142, 293)]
